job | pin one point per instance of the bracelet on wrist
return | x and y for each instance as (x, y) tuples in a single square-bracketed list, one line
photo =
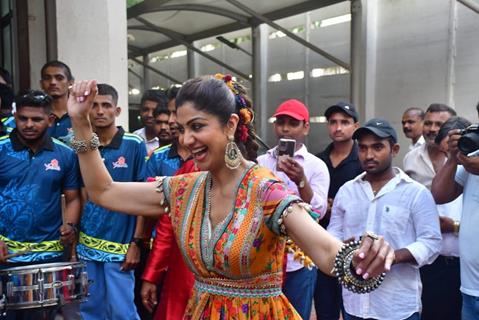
[(81, 146), (73, 226), (347, 277), (456, 227)]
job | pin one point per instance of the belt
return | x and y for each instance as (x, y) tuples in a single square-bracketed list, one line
[(257, 287)]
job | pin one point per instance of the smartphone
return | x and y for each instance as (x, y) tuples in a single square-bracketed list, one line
[(286, 147)]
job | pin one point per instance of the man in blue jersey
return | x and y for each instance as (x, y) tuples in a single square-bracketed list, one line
[(56, 77), (110, 241), (34, 171)]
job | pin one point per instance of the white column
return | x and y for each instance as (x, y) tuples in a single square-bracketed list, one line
[(92, 40)]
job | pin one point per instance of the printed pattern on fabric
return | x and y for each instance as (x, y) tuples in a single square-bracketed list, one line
[(238, 270)]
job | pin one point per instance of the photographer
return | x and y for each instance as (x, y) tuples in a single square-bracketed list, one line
[(460, 175)]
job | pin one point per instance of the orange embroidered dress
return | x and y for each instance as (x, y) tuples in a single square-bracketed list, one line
[(238, 265)]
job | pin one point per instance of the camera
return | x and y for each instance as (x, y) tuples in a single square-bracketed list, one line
[(469, 140)]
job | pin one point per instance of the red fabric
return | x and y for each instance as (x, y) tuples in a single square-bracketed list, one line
[(165, 261)]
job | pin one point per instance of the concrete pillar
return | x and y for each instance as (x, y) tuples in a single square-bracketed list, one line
[(260, 78), (92, 40), (193, 62), (363, 56)]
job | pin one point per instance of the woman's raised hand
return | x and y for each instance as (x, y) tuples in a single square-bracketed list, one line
[(80, 101)]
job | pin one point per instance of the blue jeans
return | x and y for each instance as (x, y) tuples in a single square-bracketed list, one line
[(414, 316), (111, 293), (328, 299), (299, 289), (470, 307)]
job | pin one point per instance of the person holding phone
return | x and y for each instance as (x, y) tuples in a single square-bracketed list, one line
[(308, 177)]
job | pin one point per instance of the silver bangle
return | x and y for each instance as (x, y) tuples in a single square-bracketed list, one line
[(81, 146), (347, 277)]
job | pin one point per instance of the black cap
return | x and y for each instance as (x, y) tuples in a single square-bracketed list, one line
[(379, 127), (344, 107)]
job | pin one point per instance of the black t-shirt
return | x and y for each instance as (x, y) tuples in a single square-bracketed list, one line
[(346, 170)]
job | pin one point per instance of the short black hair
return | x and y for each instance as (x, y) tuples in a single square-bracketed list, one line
[(157, 96), (34, 98), (172, 92), (6, 76), (105, 89), (441, 107), (160, 110), (58, 64), (6, 96), (420, 113), (451, 124)]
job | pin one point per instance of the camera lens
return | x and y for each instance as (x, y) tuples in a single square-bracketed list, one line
[(469, 142)]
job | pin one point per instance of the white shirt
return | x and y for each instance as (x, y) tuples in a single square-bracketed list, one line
[(404, 212), (418, 165), (418, 143), (468, 250), (150, 144), (317, 174)]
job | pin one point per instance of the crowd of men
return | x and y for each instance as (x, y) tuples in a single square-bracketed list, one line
[(427, 210)]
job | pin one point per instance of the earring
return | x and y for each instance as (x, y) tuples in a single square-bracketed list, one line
[(232, 154)]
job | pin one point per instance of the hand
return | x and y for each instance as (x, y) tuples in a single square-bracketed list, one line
[(132, 258), (149, 296), (68, 235), (454, 136), (291, 168), (471, 164), (80, 100), (373, 257), (447, 224), (3, 252)]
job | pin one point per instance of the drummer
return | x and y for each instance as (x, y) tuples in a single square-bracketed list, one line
[(35, 170)]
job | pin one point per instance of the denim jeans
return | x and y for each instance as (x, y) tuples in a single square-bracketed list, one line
[(414, 316), (470, 307), (299, 289)]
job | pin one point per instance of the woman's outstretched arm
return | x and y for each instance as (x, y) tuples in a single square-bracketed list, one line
[(372, 258), (136, 198)]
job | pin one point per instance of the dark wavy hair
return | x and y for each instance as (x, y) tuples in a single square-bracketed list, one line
[(214, 97)]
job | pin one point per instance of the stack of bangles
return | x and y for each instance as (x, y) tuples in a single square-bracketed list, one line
[(343, 263), (344, 270)]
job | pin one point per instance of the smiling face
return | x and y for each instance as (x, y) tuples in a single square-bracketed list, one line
[(432, 123), (204, 135)]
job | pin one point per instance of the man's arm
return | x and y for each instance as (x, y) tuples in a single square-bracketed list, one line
[(428, 234), (71, 216)]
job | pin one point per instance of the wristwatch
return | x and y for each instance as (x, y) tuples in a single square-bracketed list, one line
[(302, 183), (138, 241), (456, 227)]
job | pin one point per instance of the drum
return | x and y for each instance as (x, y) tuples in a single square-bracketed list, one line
[(44, 285)]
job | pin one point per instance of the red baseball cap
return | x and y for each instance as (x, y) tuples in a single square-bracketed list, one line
[(293, 108)]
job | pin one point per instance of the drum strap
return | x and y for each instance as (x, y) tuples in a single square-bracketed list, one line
[(44, 246)]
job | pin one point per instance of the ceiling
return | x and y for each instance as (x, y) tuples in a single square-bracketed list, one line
[(155, 25)]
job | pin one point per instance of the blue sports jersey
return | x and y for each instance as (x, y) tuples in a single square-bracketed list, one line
[(164, 161), (61, 129), (30, 195), (105, 235)]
